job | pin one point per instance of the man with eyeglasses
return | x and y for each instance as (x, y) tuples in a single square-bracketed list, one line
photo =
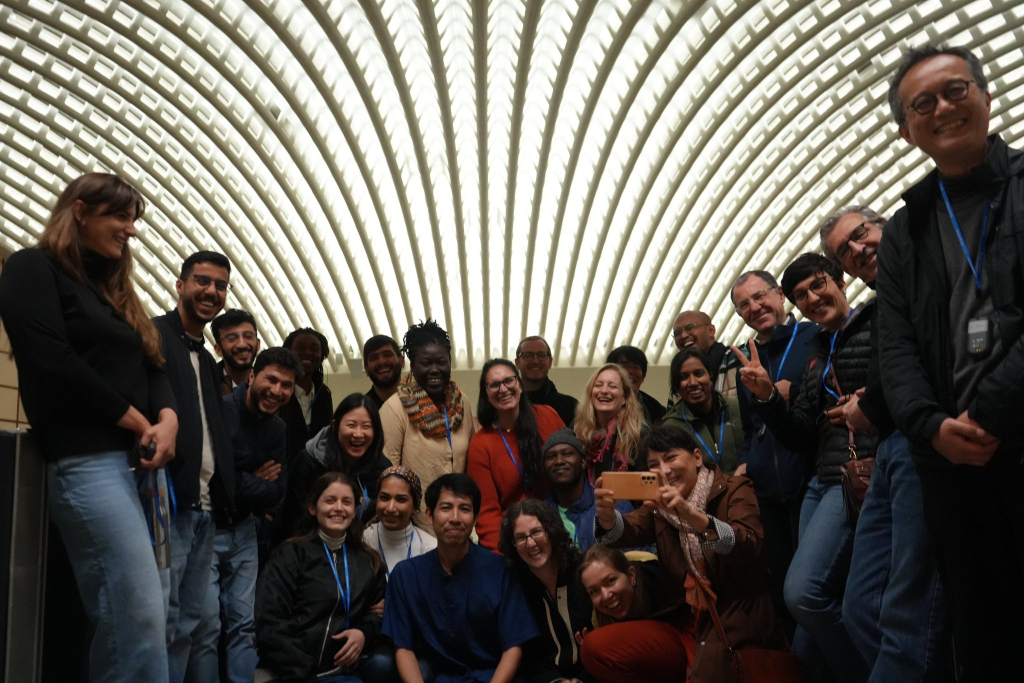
[(952, 353), (202, 474), (694, 328), (236, 341), (533, 358), (813, 422), (897, 617), (778, 472)]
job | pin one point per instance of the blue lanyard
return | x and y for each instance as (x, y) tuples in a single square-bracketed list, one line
[(792, 338), (831, 350), (975, 269), (448, 430), (515, 462), (346, 595), (387, 572), (716, 456)]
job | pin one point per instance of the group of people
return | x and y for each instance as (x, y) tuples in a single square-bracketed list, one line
[(226, 521)]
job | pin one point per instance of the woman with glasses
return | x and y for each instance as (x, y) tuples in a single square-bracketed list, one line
[(813, 422), (610, 422), (92, 382), (311, 405), (505, 456), (712, 419), (537, 546)]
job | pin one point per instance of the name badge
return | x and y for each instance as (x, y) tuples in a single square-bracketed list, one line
[(979, 337)]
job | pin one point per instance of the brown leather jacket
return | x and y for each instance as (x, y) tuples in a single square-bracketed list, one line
[(738, 579)]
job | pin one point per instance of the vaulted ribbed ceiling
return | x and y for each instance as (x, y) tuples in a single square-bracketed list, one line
[(581, 170)]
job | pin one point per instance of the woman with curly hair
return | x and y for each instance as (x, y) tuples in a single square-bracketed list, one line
[(90, 364), (427, 423), (538, 548), (610, 422), (504, 455), (311, 406)]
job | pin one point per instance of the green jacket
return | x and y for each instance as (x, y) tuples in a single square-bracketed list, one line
[(732, 440)]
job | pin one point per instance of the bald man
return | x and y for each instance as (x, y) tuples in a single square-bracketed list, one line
[(694, 328)]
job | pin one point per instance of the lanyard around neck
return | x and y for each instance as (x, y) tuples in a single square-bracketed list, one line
[(715, 455), (831, 350), (387, 571), (346, 595), (975, 267), (522, 476), (448, 431), (792, 338)]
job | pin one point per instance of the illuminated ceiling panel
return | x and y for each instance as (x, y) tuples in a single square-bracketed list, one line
[(581, 170)]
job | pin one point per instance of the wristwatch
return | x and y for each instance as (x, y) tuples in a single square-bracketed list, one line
[(711, 527)]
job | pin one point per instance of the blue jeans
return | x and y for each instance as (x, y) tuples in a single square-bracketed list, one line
[(94, 503), (816, 582), (895, 609), (188, 582), (230, 601)]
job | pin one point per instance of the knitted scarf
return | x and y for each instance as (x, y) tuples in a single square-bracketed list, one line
[(423, 413), (603, 446), (698, 500)]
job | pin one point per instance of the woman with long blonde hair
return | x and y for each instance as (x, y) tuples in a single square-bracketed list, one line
[(93, 387), (610, 422)]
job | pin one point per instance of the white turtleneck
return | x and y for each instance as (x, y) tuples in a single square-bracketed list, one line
[(396, 544), (332, 542)]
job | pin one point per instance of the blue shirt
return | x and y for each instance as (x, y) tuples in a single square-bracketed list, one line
[(462, 621), (582, 514)]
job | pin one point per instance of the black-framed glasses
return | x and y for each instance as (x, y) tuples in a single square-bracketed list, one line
[(856, 235), (537, 534), (758, 297), (530, 355), (817, 286), (204, 281), (509, 383), (955, 91)]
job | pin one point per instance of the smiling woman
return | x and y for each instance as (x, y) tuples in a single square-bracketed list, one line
[(610, 422)]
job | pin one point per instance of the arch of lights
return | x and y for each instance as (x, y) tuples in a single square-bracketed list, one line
[(581, 170)]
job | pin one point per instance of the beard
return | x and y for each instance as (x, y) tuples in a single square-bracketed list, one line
[(396, 377)]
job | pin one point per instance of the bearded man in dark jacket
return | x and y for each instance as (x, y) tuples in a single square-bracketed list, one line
[(951, 304)]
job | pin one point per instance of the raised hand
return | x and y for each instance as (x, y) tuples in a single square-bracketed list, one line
[(752, 373)]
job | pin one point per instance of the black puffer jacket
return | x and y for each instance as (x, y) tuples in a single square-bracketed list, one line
[(298, 606), (803, 426)]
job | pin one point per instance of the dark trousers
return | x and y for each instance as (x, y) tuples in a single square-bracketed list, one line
[(976, 521), (781, 522)]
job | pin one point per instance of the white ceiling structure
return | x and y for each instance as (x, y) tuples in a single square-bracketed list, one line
[(581, 170)]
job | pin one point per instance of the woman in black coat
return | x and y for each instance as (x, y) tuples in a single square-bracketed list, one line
[(314, 600)]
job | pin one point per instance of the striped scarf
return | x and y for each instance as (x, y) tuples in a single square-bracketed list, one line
[(698, 500), (423, 412)]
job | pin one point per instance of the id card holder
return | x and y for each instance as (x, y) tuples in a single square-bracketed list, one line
[(979, 337)]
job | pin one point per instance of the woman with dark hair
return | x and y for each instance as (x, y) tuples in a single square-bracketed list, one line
[(352, 443), (537, 546), (708, 532), (90, 368), (610, 422), (504, 455), (314, 616), (641, 633), (309, 411), (711, 417), (427, 422)]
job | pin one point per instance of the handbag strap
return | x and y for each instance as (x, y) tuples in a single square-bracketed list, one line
[(714, 617)]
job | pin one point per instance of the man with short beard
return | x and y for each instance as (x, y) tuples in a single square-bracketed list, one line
[(203, 471), (570, 492), (383, 363), (257, 437), (236, 341)]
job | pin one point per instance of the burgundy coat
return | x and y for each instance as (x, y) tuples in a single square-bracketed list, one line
[(738, 579)]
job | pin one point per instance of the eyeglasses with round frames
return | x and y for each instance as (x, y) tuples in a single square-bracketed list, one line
[(757, 297), (536, 535), (817, 286), (509, 383), (955, 91), (203, 282)]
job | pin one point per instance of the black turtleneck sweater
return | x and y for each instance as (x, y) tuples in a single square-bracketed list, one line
[(80, 364)]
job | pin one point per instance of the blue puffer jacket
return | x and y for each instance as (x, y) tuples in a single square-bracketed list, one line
[(778, 472)]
